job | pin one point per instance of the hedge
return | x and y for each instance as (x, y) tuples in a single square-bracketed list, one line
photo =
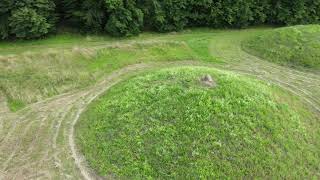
[(35, 18)]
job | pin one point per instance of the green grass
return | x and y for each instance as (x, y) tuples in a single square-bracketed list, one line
[(297, 46), (167, 125), (15, 105), (115, 58), (63, 40), (35, 70), (31, 71), (31, 77)]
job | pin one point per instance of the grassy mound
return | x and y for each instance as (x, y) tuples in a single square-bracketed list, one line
[(168, 124), (297, 46)]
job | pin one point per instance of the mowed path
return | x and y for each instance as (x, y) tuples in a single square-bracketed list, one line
[(306, 85), (38, 141)]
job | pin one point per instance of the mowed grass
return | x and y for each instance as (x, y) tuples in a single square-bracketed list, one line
[(168, 125), (297, 46)]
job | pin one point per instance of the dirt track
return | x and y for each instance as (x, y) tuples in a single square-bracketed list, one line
[(306, 85), (38, 143)]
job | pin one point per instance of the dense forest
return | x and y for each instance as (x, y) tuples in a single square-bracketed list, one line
[(27, 19)]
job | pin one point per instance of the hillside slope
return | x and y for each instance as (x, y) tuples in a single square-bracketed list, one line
[(297, 46)]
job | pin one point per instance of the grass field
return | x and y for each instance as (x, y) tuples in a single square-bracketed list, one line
[(45, 86), (168, 125), (44, 70)]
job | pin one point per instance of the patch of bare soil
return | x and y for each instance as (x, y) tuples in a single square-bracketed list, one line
[(208, 81)]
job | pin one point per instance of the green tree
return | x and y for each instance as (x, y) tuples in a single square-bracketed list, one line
[(125, 18), (129, 17), (26, 18), (26, 23), (5, 8), (168, 15)]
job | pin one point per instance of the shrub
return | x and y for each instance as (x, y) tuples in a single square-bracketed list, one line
[(169, 15), (5, 6), (26, 23), (26, 19), (93, 15), (125, 18), (129, 17)]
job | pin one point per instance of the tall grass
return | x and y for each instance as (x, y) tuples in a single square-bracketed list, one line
[(30, 76)]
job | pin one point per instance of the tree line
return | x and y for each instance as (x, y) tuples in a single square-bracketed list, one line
[(27, 19)]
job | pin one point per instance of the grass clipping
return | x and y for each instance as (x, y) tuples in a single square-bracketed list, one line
[(167, 124)]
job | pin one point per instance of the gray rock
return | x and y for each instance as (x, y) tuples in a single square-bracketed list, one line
[(208, 81)]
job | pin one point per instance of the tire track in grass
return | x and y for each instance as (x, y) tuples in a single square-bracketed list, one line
[(66, 109), (45, 121), (23, 153), (15, 119), (53, 154), (301, 88), (287, 80), (298, 82), (63, 112), (16, 146), (49, 140)]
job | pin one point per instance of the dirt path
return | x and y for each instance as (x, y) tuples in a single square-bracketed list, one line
[(306, 85), (38, 142)]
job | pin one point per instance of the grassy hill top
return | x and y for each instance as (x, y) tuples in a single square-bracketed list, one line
[(170, 124)]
